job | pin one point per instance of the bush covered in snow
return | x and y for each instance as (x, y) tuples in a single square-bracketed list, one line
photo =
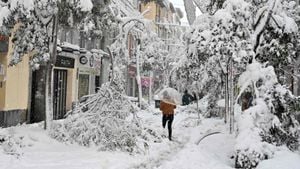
[(285, 129), (269, 122), (250, 149)]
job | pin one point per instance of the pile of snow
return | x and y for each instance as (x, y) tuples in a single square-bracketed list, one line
[(11, 144)]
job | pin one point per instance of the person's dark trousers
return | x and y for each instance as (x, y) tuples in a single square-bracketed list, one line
[(169, 119)]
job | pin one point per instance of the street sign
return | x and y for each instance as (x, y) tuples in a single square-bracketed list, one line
[(66, 62)]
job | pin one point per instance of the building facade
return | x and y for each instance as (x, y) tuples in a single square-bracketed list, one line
[(167, 25), (76, 73), (14, 88)]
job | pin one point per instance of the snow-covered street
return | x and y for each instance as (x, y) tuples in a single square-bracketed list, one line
[(213, 152), (41, 151), (149, 84)]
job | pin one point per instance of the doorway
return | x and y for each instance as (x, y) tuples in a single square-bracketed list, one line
[(59, 93)]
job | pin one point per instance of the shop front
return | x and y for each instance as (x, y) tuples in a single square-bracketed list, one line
[(88, 73), (64, 83), (64, 86)]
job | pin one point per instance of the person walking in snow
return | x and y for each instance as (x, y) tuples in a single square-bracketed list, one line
[(186, 98), (167, 107)]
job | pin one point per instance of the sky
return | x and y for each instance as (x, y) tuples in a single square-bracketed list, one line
[(180, 4)]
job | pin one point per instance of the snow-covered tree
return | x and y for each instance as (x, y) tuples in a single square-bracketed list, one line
[(275, 34), (107, 120), (36, 17), (101, 120), (212, 42), (33, 24), (148, 51), (244, 31)]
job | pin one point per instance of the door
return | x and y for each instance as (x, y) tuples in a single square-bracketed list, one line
[(37, 108), (59, 93)]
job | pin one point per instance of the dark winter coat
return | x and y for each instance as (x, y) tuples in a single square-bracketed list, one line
[(187, 99), (166, 108)]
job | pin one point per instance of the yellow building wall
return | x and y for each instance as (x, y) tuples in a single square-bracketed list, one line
[(2, 78), (71, 88), (152, 13), (15, 90), (16, 85)]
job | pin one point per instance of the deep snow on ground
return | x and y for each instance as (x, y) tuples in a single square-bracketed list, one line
[(213, 152)]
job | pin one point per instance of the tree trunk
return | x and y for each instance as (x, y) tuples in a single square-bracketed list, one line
[(49, 97), (49, 75), (138, 76), (226, 98), (231, 97)]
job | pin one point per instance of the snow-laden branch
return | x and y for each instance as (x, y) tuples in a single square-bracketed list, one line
[(262, 22)]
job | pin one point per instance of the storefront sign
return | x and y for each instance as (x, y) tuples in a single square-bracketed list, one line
[(66, 62), (84, 70), (4, 43), (87, 70)]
